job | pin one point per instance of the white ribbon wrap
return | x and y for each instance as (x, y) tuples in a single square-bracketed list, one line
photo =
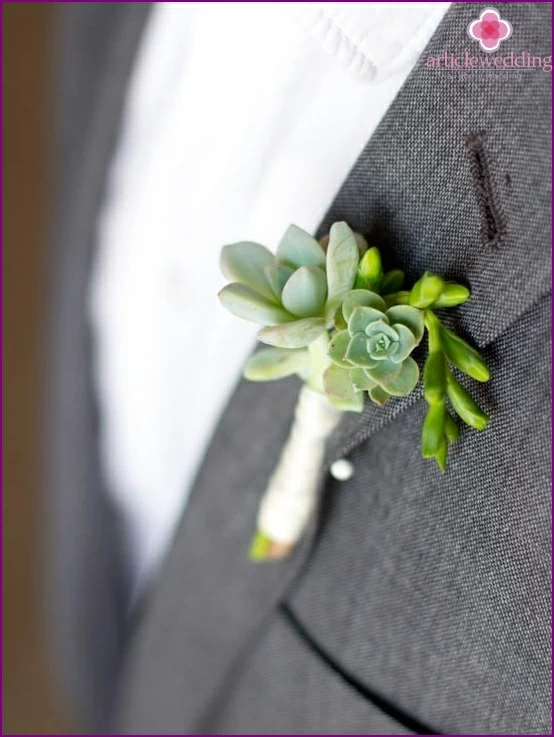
[(290, 497)]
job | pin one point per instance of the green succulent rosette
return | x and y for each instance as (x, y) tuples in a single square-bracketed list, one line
[(293, 291), (373, 353), (295, 295)]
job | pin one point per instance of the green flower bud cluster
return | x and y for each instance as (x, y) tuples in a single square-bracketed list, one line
[(439, 383), (335, 318), (432, 291)]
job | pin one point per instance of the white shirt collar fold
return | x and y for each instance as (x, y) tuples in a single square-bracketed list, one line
[(370, 40)]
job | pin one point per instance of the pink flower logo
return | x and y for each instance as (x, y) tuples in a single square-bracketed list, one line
[(490, 30)]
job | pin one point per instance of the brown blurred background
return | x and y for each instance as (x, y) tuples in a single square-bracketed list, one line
[(31, 701)]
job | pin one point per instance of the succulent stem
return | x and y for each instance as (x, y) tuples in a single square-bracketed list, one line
[(291, 494), (262, 548), (433, 325), (318, 361)]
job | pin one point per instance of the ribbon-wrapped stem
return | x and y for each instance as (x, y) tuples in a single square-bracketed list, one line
[(290, 498)]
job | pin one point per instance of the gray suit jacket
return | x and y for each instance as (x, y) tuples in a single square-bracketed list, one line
[(419, 602)]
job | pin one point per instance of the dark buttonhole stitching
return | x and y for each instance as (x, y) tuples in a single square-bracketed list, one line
[(493, 221)]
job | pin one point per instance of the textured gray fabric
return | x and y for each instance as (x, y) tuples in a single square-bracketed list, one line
[(88, 587), (313, 700), (432, 590)]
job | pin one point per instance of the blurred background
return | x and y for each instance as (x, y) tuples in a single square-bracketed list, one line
[(31, 700)]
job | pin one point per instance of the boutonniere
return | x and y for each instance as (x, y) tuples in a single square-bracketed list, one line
[(333, 317)]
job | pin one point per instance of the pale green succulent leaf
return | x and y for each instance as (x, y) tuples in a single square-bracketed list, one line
[(355, 403), (361, 380), (338, 386), (338, 347), (381, 348), (411, 317), (342, 260), (305, 292), (398, 379), (361, 298), (406, 342), (277, 276), (244, 302), (298, 248), (404, 382), (268, 364), (383, 372), (362, 317), (333, 314), (357, 353), (245, 263), (297, 334), (381, 327), (378, 395)]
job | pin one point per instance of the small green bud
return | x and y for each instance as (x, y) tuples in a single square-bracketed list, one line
[(434, 378), (392, 281), (440, 455), (433, 430), (451, 429), (453, 294), (464, 405), (370, 269), (396, 298), (463, 356), (426, 290)]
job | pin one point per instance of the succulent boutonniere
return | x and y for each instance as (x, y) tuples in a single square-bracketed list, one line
[(347, 328)]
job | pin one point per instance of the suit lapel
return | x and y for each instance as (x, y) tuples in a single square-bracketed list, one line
[(425, 215), (210, 600)]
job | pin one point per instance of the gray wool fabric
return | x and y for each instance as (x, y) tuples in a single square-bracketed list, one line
[(418, 601)]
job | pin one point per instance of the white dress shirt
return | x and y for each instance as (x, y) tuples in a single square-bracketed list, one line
[(239, 119)]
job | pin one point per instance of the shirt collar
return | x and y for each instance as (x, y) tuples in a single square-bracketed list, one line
[(371, 41)]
